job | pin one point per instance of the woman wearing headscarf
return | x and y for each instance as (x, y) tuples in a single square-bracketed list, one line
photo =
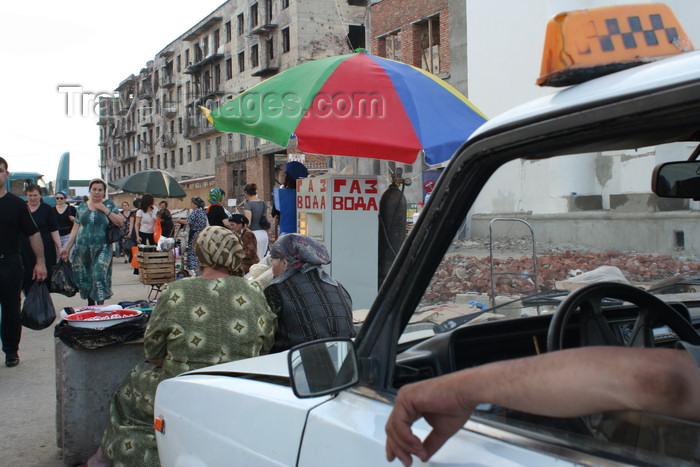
[(197, 220), (92, 257), (216, 214), (201, 321), (250, 243), (255, 209), (309, 303)]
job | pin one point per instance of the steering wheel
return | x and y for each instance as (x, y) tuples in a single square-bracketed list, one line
[(594, 327)]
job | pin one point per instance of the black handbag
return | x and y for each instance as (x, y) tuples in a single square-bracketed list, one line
[(62, 279), (114, 233)]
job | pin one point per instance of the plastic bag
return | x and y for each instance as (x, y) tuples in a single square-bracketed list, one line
[(157, 230), (38, 311), (62, 279), (89, 339)]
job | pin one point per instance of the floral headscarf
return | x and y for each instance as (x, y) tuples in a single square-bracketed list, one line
[(216, 195), (216, 247), (299, 250)]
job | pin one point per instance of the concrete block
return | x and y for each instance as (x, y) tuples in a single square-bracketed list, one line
[(645, 202), (585, 203), (85, 383)]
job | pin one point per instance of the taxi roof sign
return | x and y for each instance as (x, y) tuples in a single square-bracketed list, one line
[(585, 44)]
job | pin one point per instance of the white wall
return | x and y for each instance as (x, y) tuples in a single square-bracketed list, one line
[(504, 49)]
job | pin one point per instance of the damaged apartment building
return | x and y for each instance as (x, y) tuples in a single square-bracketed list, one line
[(153, 121)]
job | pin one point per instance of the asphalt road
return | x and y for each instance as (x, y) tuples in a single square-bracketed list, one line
[(28, 391)]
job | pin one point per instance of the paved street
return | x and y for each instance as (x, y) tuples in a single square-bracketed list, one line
[(28, 392)]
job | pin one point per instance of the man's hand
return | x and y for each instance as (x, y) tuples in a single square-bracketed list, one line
[(437, 401), (39, 272)]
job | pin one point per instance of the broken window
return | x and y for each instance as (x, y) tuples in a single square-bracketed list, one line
[(227, 31), (356, 36), (270, 49), (268, 11), (182, 152), (217, 41), (189, 153), (241, 24), (285, 4), (254, 56), (392, 46), (285, 40), (229, 68), (241, 62), (253, 15), (430, 44)]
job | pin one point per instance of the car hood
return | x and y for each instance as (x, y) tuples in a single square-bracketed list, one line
[(267, 365)]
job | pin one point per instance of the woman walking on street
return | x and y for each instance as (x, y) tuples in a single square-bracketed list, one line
[(65, 215), (197, 220), (146, 221), (92, 258), (254, 210), (44, 218)]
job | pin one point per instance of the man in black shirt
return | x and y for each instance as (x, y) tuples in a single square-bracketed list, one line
[(15, 220)]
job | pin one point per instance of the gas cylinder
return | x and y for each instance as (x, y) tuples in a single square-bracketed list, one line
[(392, 228)]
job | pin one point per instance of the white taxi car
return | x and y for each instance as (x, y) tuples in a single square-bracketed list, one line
[(607, 168)]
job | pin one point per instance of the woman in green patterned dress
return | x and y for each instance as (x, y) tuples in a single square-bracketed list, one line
[(197, 322), (92, 257)]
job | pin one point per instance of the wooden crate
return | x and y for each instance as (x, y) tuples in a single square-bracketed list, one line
[(156, 267)]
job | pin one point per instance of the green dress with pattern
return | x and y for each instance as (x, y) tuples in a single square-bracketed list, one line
[(92, 256), (196, 323)]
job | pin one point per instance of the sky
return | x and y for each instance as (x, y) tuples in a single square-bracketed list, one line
[(84, 48)]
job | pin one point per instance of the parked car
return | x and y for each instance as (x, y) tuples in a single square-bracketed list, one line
[(584, 161)]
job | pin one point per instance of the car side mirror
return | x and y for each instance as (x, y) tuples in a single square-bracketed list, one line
[(322, 367), (677, 180)]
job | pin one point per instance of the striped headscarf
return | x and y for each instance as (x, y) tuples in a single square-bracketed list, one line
[(216, 247)]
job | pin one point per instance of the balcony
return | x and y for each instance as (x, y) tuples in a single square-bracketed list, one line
[(167, 80), (263, 29), (170, 111), (129, 129), (198, 129), (205, 59), (147, 121), (146, 148), (168, 141)]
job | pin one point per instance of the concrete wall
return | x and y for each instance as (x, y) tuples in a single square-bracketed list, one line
[(623, 231)]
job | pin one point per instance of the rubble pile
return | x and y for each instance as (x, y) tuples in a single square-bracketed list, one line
[(460, 274)]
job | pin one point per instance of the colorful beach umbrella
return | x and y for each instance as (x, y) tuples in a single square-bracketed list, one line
[(355, 105)]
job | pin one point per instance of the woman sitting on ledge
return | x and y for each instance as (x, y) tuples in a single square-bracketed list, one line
[(197, 322)]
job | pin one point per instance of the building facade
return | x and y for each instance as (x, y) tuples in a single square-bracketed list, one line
[(153, 121)]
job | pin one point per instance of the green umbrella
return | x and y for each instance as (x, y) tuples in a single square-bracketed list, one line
[(156, 182)]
